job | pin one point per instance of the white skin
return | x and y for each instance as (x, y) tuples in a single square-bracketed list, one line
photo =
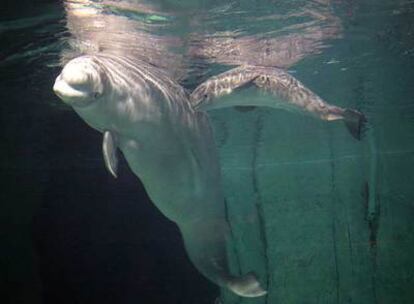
[(168, 145)]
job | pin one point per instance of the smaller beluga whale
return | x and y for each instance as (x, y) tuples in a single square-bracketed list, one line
[(281, 91), (129, 90)]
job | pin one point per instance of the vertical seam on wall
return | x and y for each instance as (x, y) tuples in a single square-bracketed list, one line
[(233, 245), (373, 208), (233, 240), (335, 197), (258, 125)]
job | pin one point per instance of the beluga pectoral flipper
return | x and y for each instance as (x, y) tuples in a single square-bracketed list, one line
[(109, 151), (285, 92)]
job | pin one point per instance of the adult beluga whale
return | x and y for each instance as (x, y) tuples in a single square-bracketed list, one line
[(167, 144), (124, 83)]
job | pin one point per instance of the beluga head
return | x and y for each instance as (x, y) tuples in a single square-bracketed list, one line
[(81, 82)]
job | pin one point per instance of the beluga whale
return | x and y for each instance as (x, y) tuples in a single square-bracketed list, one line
[(263, 63), (125, 83), (143, 112)]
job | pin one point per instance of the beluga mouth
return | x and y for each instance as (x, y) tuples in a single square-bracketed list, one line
[(67, 92), (79, 84)]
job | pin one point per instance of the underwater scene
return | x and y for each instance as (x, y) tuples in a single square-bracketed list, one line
[(204, 151)]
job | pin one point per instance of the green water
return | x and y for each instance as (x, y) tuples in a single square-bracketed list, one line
[(321, 217)]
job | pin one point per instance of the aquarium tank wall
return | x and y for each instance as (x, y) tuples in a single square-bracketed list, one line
[(319, 212)]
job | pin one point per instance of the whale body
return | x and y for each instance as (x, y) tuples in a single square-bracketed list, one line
[(168, 145)]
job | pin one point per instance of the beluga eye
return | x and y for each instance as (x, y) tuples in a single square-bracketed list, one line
[(80, 82)]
